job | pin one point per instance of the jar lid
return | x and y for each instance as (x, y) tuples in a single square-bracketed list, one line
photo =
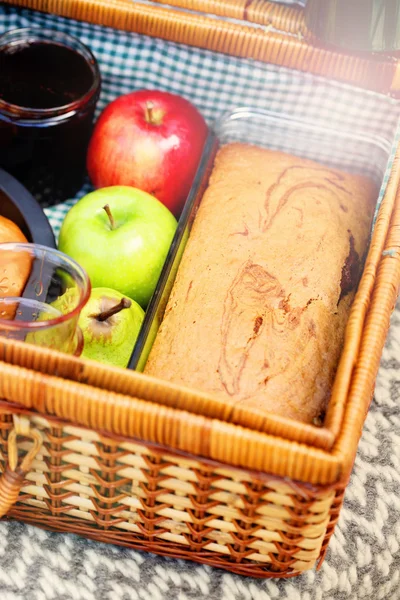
[(18, 205)]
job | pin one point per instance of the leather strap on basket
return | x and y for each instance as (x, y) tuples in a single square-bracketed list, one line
[(13, 477)]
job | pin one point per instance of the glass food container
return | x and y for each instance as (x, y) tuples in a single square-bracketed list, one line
[(49, 86), (42, 293), (348, 151)]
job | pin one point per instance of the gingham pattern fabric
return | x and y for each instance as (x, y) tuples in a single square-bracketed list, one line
[(363, 561)]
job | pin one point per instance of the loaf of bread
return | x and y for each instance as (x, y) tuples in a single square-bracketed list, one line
[(259, 307)]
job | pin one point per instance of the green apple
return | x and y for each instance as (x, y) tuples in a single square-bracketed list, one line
[(121, 236), (110, 323)]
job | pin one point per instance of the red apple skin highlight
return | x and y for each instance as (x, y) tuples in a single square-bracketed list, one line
[(151, 140)]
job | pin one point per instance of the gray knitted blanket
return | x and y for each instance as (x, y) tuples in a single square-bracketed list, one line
[(363, 560)]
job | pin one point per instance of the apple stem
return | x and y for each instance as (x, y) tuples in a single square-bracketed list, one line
[(149, 112), (106, 314), (109, 215)]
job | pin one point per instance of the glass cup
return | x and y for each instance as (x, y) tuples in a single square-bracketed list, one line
[(42, 292)]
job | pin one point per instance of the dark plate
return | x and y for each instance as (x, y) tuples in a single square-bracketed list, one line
[(17, 204)]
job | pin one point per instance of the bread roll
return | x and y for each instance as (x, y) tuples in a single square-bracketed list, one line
[(10, 232), (14, 268), (262, 296)]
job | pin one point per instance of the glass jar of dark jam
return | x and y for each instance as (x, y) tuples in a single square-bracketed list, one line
[(49, 86)]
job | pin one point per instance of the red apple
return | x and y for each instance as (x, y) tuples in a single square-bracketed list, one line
[(150, 140)]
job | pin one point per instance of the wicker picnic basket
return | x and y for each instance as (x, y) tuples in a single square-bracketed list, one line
[(120, 457)]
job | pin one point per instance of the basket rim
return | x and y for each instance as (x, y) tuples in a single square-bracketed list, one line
[(298, 486)]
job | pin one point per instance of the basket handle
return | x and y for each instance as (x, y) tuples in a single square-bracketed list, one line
[(13, 477)]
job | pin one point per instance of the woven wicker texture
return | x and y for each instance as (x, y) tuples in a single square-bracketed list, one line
[(130, 494), (278, 16)]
